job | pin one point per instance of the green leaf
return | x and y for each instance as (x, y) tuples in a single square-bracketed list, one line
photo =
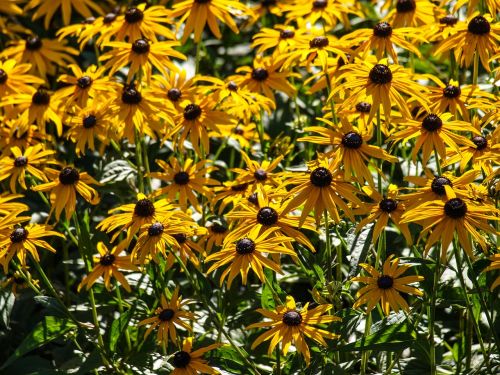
[(359, 244), (118, 327), (49, 329), (230, 360), (7, 299), (53, 307), (266, 298), (392, 337)]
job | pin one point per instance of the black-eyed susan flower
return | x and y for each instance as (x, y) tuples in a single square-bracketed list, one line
[(185, 180), (84, 85), (64, 185), (281, 39), (47, 9), (231, 193), (175, 88), (382, 38), (40, 107), (186, 247), (140, 22), (249, 252), (350, 147), (43, 54), (14, 78), (196, 14), (330, 12), (141, 55), (433, 132), (265, 77), (412, 13), (11, 134), (196, 119), (258, 173), (11, 7), (168, 317), (291, 325), (189, 362), (437, 187), (480, 34), (21, 162), (108, 264), (90, 124), (384, 287), (17, 282), (321, 189), (383, 83), (21, 240), (245, 135), (385, 207), (494, 265), (134, 215), (443, 219), (158, 237), (9, 206), (216, 234), (260, 212), (101, 29)]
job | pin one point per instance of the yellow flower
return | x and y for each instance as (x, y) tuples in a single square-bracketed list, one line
[(167, 317), (21, 163), (494, 265), (291, 325), (329, 12), (198, 13), (48, 8), (249, 252), (258, 174), (8, 207), (63, 188), (187, 362), (14, 80), (142, 55), (384, 287), (108, 265), (412, 13)]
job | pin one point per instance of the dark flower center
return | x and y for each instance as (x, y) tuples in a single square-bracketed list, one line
[(252, 198), (260, 175), (388, 205), (131, 96), (69, 176), (155, 229), (352, 140), (451, 91), (140, 46), (479, 26), (321, 177), (192, 112), (202, 1), (267, 216), (260, 74), (292, 318), (18, 235), (238, 130), (382, 30), (144, 208), (218, 228), (318, 42), (385, 282), (380, 74), (20, 161), (166, 315), (107, 259), (89, 121), (181, 178), (448, 20), (432, 122), (268, 3), (455, 208), (182, 358), (232, 86), (363, 107), (33, 43), (41, 97), (108, 18), (19, 280), (438, 183), (320, 4), (88, 21), (287, 34), (134, 15), (245, 246), (480, 142), (84, 82), (174, 94), (240, 187), (3, 76), (404, 6), (180, 238)]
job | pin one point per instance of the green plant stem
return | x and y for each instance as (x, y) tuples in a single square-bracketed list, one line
[(146, 165), (379, 144), (432, 314), (278, 360), (120, 309), (138, 157), (365, 353), (329, 273), (475, 68)]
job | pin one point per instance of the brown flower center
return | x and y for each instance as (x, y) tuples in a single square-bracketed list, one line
[(352, 140), (267, 216), (140, 46), (479, 26), (455, 208), (192, 112), (134, 15), (84, 82), (33, 43), (321, 177), (382, 30), (385, 282), (245, 246), (69, 176), (260, 74), (144, 208), (432, 123), (292, 318), (107, 259), (19, 235), (405, 6), (380, 74)]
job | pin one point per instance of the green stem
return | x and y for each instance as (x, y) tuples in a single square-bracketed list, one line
[(278, 360), (365, 353), (120, 308), (475, 68), (329, 273), (432, 314), (379, 144), (138, 157)]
